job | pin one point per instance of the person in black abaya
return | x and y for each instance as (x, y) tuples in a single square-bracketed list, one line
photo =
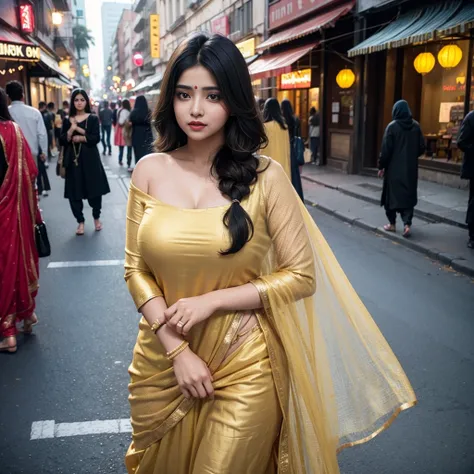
[(142, 136), (402, 144), (85, 175)]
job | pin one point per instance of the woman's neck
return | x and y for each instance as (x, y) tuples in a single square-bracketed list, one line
[(202, 152)]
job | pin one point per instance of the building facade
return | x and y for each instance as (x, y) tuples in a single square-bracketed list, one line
[(32, 48)]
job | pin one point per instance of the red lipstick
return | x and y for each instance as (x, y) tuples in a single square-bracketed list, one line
[(196, 126)]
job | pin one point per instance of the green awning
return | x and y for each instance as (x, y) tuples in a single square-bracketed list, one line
[(462, 22), (415, 26)]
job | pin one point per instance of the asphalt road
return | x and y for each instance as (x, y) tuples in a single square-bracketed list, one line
[(74, 368)]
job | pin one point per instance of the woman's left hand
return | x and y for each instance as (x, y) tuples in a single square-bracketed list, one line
[(77, 139), (187, 312)]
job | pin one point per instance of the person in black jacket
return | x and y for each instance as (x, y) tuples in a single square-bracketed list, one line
[(466, 144), (142, 136), (402, 144)]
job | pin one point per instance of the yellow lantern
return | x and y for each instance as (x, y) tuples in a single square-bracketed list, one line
[(424, 63), (345, 78), (450, 56)]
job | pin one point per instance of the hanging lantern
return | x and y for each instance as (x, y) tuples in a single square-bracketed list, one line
[(138, 59), (450, 56), (424, 63), (345, 78)]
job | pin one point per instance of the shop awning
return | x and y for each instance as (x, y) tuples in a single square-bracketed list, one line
[(251, 59), (276, 64), (462, 22), (52, 64), (9, 36), (415, 26), (317, 23), (148, 82)]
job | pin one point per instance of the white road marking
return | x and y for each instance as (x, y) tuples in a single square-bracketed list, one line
[(48, 429), (86, 263)]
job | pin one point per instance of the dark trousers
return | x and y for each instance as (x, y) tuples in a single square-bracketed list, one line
[(42, 181), (129, 155), (106, 130), (470, 210), (50, 143), (78, 206), (314, 146), (405, 214)]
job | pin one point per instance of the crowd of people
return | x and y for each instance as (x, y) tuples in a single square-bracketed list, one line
[(30, 139)]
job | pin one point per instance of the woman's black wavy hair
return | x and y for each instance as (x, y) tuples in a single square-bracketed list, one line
[(235, 164), (72, 107), (272, 111)]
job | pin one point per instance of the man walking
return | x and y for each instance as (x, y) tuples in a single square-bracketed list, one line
[(31, 123), (466, 144), (105, 117), (48, 123)]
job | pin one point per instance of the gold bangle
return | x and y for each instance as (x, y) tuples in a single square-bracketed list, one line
[(175, 352), (156, 326)]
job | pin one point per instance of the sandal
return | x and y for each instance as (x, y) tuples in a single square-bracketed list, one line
[(407, 231), (98, 225), (8, 345), (80, 229), (29, 323), (389, 228)]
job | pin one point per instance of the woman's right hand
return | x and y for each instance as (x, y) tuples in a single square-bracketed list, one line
[(193, 375)]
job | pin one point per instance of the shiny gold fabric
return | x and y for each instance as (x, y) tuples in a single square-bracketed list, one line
[(278, 145), (336, 379)]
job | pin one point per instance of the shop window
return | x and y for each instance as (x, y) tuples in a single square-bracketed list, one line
[(441, 103), (241, 20)]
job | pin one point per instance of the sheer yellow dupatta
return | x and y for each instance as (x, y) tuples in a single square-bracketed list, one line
[(340, 384)]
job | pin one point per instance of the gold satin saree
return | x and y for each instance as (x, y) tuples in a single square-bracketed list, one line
[(318, 343)]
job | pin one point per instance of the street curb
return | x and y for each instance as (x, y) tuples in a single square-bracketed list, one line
[(453, 261), (420, 214)]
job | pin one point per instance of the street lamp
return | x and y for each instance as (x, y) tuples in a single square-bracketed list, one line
[(57, 18)]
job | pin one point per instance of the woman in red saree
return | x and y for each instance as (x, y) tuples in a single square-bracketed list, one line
[(18, 214)]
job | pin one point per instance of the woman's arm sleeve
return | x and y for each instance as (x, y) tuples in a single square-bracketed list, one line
[(64, 129), (92, 131), (140, 280), (295, 269), (387, 149)]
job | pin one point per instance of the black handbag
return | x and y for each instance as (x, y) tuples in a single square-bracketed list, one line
[(42, 242)]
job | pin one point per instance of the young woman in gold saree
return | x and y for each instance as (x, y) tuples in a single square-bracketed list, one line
[(254, 353)]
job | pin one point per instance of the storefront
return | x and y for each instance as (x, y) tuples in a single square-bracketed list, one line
[(248, 50), (426, 58), (301, 60)]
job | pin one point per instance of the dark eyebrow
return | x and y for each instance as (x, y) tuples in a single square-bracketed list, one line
[(190, 88)]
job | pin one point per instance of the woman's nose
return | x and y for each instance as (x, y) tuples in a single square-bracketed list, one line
[(196, 108)]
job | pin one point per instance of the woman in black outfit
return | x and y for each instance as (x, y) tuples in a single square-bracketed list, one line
[(85, 175), (142, 136), (294, 128)]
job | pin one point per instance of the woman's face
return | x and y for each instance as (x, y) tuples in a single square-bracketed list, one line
[(198, 105), (80, 102)]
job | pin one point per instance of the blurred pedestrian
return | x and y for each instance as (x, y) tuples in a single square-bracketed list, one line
[(314, 131), (466, 144), (142, 136), (115, 110), (261, 104), (85, 175), (124, 133), (278, 136), (48, 120), (57, 124), (294, 129), (32, 125), (105, 118), (18, 212), (64, 112), (402, 144)]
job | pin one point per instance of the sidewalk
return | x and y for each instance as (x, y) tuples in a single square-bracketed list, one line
[(439, 229)]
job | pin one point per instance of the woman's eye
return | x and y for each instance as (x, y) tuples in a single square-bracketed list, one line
[(214, 97), (182, 95)]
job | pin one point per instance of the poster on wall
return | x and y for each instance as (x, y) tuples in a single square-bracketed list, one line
[(335, 107), (445, 111)]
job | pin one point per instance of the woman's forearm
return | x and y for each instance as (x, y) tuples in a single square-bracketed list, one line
[(242, 297), (80, 130), (153, 310)]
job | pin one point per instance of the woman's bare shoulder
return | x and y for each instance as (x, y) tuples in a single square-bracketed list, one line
[(151, 165)]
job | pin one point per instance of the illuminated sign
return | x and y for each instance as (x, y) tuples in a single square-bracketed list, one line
[(137, 59), (155, 36), (19, 51), (296, 80), (27, 18), (247, 48)]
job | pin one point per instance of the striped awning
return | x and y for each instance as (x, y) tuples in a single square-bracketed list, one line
[(415, 26), (462, 22)]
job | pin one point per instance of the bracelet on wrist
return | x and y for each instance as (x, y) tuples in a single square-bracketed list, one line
[(175, 352), (156, 326)]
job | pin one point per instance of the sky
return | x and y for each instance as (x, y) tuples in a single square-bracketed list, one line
[(94, 23)]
